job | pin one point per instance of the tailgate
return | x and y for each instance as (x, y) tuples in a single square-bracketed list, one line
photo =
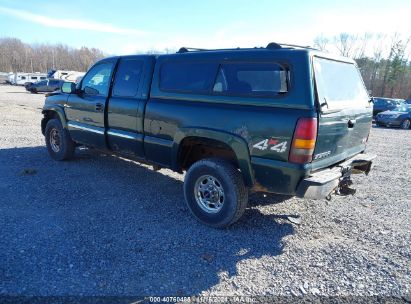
[(346, 112)]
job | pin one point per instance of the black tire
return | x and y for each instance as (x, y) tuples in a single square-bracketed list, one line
[(33, 91), (406, 123), (229, 179), (64, 148)]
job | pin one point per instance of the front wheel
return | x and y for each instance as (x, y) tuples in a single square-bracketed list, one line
[(58, 141), (405, 124), (215, 192)]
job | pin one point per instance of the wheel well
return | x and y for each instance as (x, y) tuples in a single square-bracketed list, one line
[(47, 116), (193, 149)]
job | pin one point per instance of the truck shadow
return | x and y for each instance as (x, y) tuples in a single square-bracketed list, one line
[(100, 225)]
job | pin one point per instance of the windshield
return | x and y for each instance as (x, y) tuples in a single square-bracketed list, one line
[(339, 84), (403, 108)]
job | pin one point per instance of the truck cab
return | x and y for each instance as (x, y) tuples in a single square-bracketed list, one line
[(280, 119)]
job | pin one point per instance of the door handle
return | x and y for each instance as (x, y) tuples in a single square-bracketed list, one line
[(99, 107), (351, 123)]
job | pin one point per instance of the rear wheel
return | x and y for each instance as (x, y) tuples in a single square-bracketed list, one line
[(58, 141), (215, 192), (406, 124)]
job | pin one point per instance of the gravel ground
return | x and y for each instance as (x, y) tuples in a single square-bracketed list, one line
[(100, 225)]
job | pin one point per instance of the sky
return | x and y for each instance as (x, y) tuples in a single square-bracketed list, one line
[(126, 26)]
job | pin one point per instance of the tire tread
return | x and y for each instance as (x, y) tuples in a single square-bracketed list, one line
[(225, 167)]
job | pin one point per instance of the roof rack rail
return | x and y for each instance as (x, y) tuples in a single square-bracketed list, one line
[(271, 46), (189, 49), (274, 45)]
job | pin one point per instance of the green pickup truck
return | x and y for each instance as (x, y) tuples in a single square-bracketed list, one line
[(280, 119)]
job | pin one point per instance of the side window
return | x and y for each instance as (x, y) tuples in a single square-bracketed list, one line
[(254, 79), (97, 80), (194, 77), (127, 78), (23, 77)]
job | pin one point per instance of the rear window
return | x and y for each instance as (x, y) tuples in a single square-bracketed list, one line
[(339, 84), (255, 79), (194, 77)]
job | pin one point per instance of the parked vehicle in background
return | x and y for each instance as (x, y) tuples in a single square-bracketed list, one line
[(48, 85), (19, 78), (234, 119), (400, 117), (3, 77), (70, 76), (25, 78), (35, 77), (382, 104), (10, 77)]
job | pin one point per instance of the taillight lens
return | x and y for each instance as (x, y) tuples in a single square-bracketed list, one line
[(303, 145)]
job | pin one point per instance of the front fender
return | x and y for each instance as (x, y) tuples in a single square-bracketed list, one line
[(235, 142), (55, 109)]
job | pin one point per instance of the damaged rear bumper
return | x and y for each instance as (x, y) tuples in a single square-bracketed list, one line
[(321, 184)]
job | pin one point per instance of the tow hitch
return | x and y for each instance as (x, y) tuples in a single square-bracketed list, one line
[(344, 187), (336, 180)]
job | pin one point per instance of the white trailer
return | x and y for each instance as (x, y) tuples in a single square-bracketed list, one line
[(10, 77), (71, 76), (23, 78), (35, 77), (20, 78)]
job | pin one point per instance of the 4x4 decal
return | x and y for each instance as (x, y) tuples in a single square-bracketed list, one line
[(273, 144)]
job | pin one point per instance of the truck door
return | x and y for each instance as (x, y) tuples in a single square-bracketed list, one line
[(85, 109), (126, 104), (346, 111)]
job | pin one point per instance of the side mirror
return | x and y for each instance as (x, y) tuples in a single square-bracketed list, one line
[(68, 87)]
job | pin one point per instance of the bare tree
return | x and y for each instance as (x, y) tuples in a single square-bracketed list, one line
[(345, 43), (321, 42), (16, 56)]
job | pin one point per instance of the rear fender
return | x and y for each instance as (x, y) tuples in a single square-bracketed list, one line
[(235, 142)]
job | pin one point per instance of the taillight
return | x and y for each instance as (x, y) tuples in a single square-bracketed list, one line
[(303, 145)]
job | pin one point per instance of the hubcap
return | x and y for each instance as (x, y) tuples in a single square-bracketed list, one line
[(406, 124), (209, 194), (55, 140)]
